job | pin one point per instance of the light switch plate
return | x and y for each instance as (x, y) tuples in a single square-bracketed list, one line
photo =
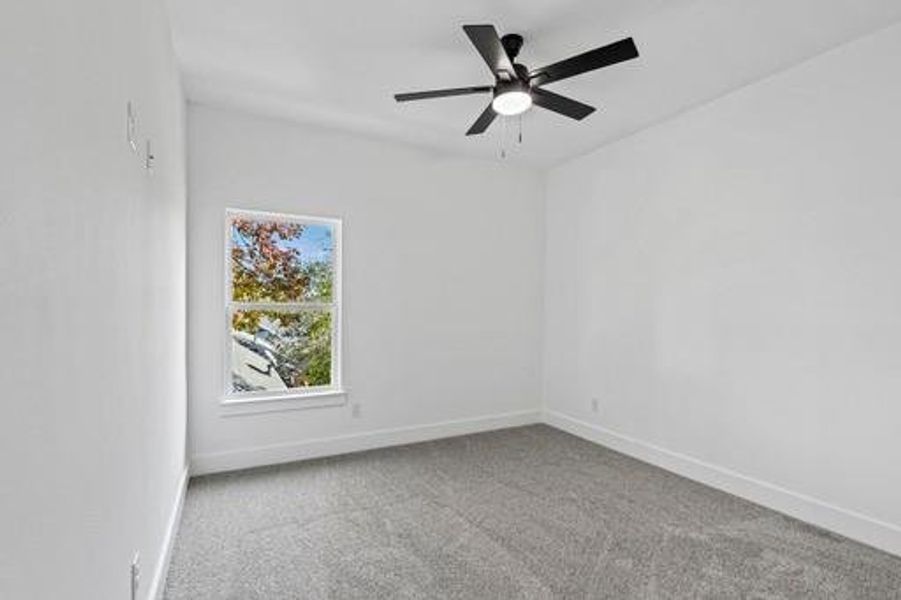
[(131, 126), (135, 575)]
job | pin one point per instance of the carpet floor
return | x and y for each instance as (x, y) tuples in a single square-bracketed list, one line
[(529, 512)]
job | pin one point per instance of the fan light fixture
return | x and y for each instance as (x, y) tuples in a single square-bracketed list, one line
[(511, 103)]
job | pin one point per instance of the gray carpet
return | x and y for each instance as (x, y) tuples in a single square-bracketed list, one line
[(522, 513)]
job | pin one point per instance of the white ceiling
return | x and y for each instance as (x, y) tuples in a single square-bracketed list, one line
[(338, 62)]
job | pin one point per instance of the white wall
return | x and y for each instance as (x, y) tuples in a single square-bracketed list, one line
[(728, 284), (443, 265), (91, 297)]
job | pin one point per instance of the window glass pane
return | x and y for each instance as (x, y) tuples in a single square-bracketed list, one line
[(281, 261), (276, 351)]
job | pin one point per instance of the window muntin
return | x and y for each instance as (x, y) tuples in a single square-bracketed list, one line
[(283, 304)]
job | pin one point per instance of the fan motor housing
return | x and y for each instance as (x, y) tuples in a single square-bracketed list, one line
[(517, 85)]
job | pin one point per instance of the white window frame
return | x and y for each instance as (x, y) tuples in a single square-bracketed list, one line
[(323, 395)]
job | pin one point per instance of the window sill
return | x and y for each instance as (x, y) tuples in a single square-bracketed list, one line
[(235, 406)]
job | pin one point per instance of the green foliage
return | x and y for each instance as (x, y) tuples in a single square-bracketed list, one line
[(319, 365), (320, 276)]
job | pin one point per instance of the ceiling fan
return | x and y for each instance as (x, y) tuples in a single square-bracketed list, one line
[(515, 87)]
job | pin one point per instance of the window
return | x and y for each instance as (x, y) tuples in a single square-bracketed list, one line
[(283, 305)]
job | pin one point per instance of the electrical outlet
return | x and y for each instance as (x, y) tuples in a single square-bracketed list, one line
[(135, 575), (594, 405), (355, 410)]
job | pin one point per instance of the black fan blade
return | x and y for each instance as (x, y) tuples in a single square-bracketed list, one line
[(482, 122), (598, 58), (561, 104), (479, 89), (488, 43)]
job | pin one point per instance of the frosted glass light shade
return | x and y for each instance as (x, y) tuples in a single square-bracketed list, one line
[(511, 103)]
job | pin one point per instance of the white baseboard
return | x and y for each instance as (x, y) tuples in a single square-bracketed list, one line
[(281, 453), (158, 583), (876, 533)]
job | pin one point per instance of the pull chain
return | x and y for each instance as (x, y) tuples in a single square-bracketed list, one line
[(507, 133)]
